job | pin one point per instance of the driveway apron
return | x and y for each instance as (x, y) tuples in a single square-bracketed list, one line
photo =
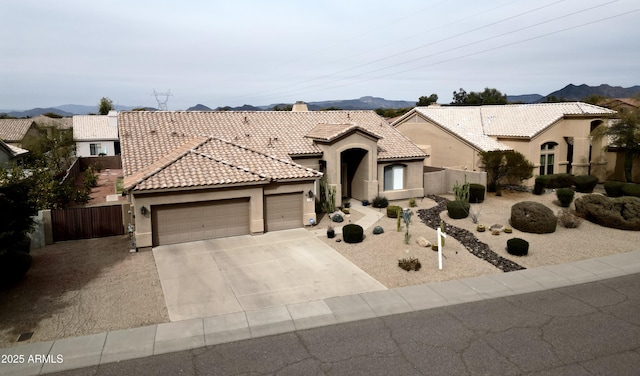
[(244, 273)]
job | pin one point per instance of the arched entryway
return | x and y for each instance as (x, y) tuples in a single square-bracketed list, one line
[(354, 171)]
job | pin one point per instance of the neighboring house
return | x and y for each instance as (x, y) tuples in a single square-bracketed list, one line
[(555, 137), (15, 131), (96, 135), (621, 104), (11, 154), (200, 175)]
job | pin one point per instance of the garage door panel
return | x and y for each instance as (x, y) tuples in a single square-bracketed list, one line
[(179, 223), (283, 211)]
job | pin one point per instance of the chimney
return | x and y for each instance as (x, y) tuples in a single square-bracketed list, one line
[(299, 106), (112, 118)]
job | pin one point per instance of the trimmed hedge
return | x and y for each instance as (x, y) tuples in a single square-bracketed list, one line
[(631, 189), (565, 196), (13, 267), (585, 183), (533, 217), (392, 211), (554, 181), (614, 188), (458, 209), (476, 193), (517, 247), (352, 233)]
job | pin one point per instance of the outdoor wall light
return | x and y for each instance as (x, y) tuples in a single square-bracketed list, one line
[(143, 210), (310, 194)]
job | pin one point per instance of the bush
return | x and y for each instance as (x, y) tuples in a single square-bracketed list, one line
[(378, 230), (337, 218), (630, 189), (90, 179), (409, 264), (458, 209), (620, 212), (412, 202), (569, 220), (19, 244), (380, 202), (553, 181), (565, 196), (352, 233), (13, 266), (476, 193), (614, 188), (585, 183), (517, 247), (392, 211), (533, 217)]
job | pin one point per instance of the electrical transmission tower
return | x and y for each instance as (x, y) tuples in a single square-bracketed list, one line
[(162, 99)]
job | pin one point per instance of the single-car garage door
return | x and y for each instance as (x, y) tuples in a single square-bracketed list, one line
[(179, 223), (283, 211)]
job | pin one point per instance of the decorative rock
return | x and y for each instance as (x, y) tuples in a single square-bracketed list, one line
[(378, 230), (496, 227), (422, 242)]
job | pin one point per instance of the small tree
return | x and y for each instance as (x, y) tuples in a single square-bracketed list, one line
[(425, 101), (105, 106), (624, 133), (505, 166)]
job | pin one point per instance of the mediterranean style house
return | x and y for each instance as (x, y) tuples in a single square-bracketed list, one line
[(96, 135), (193, 175), (555, 137)]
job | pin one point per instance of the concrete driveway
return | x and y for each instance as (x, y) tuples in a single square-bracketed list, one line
[(242, 273)]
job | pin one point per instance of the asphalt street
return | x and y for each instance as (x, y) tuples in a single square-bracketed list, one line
[(587, 329)]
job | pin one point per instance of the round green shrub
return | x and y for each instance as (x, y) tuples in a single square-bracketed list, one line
[(392, 211), (517, 247), (614, 188), (476, 193), (585, 183), (538, 187), (533, 217), (458, 209), (352, 233), (13, 266), (631, 189), (378, 230), (565, 196), (337, 218), (380, 202), (563, 180)]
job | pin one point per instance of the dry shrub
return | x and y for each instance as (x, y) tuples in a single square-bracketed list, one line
[(568, 219)]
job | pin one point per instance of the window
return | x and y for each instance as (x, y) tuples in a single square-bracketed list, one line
[(95, 149), (547, 158), (394, 177)]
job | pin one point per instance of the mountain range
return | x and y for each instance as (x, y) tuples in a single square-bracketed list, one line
[(568, 93)]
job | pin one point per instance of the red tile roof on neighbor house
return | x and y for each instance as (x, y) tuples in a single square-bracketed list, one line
[(261, 142)]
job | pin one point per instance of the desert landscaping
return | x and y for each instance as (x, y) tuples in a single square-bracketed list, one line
[(90, 286)]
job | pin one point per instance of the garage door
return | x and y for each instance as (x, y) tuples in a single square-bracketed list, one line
[(181, 223), (283, 211)]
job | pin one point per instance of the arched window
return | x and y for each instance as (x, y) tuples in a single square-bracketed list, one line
[(394, 177), (547, 157)]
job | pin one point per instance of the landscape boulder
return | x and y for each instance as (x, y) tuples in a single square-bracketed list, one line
[(533, 217), (619, 212), (422, 242)]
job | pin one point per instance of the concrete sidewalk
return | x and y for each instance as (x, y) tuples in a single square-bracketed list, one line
[(120, 345)]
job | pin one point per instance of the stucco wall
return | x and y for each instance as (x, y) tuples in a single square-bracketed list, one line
[(438, 182), (413, 181), (444, 149)]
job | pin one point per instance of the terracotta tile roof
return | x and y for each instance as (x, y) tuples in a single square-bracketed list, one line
[(481, 125), (94, 128), (331, 132), (210, 161), (14, 130), (147, 136)]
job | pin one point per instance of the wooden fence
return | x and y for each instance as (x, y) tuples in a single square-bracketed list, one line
[(86, 223)]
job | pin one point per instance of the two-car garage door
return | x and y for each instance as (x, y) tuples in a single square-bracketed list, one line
[(179, 223)]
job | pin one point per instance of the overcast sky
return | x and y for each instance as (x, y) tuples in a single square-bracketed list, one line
[(221, 53)]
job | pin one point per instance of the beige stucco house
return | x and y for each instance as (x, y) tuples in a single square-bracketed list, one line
[(555, 137), (14, 132), (197, 175)]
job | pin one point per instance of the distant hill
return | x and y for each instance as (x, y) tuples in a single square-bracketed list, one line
[(199, 107), (245, 107), (37, 112), (576, 93), (363, 103), (525, 98)]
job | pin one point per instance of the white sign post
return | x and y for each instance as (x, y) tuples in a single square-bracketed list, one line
[(440, 236)]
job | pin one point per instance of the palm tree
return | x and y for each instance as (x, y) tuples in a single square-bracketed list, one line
[(623, 132)]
